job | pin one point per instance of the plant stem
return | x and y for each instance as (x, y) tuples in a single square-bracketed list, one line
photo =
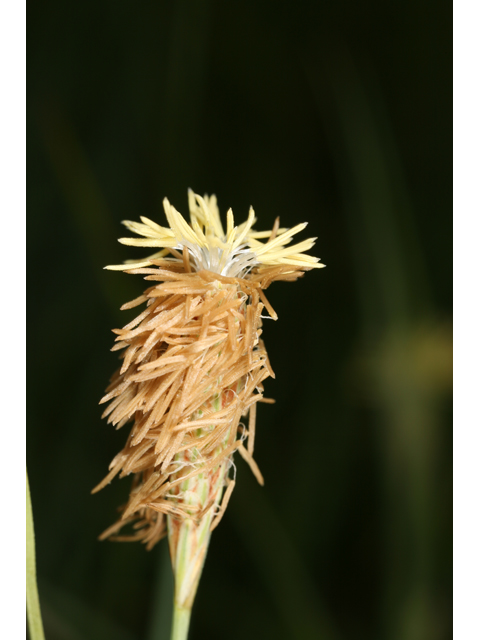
[(35, 625), (181, 622)]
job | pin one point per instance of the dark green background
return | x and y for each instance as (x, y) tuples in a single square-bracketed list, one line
[(338, 113)]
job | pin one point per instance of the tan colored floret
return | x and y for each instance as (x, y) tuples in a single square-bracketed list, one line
[(190, 346), (193, 365)]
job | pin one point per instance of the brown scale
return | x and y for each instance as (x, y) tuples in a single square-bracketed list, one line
[(197, 340)]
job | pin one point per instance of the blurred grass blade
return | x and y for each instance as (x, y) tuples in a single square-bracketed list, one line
[(35, 625), (281, 566), (84, 197), (161, 620)]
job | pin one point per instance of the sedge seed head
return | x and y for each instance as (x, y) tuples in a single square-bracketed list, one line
[(193, 363)]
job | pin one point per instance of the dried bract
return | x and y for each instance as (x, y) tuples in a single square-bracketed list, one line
[(193, 364)]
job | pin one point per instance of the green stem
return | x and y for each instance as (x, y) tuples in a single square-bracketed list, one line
[(181, 622), (35, 625)]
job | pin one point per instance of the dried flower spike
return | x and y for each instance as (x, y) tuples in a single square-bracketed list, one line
[(193, 365)]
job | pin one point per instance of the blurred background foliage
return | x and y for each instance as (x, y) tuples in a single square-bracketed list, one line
[(337, 113)]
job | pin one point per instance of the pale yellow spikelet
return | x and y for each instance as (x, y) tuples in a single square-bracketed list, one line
[(231, 253)]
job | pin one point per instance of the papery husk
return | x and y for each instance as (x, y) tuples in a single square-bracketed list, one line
[(193, 365)]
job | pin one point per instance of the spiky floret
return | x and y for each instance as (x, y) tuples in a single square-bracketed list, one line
[(232, 252)]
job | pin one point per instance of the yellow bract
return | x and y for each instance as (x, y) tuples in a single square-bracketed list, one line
[(230, 253)]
